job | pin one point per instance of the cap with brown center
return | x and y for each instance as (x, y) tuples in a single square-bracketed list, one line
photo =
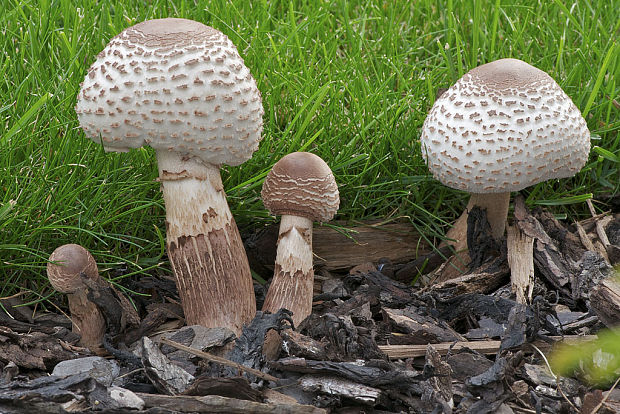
[(66, 266), (173, 84), (301, 184), (301, 188), (502, 127), (182, 88)]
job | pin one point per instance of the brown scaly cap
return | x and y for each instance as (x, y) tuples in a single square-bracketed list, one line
[(301, 184), (502, 127), (66, 264), (176, 85)]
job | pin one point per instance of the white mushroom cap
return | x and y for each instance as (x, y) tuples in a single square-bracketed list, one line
[(301, 184), (172, 84), (502, 127)]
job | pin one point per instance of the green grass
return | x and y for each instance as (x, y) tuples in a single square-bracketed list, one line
[(349, 81)]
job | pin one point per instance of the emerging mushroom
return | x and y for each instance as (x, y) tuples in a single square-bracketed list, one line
[(302, 189), (65, 269), (182, 88), (502, 127)]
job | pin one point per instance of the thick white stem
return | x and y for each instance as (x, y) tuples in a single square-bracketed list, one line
[(189, 187), (293, 280), (521, 262)]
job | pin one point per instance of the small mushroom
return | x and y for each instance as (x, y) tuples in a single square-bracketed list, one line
[(67, 265), (182, 88), (301, 188), (503, 126)]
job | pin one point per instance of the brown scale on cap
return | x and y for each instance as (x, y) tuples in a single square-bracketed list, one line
[(509, 100)]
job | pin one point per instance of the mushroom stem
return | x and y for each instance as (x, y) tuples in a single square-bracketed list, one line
[(86, 320), (293, 278), (204, 246), (496, 206)]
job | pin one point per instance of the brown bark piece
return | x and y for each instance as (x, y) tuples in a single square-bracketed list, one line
[(422, 265), (466, 364), (419, 329), (484, 280), (158, 314), (397, 242), (591, 245), (454, 267), (34, 350), (605, 300), (303, 346), (334, 250), (567, 242), (521, 261), (209, 298), (233, 387)]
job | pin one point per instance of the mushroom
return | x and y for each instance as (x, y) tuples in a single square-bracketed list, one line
[(67, 265), (503, 126), (182, 88), (301, 188)]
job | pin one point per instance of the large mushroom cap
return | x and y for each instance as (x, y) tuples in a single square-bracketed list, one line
[(172, 84), (65, 266), (301, 184), (502, 127)]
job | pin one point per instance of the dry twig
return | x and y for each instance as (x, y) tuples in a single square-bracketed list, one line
[(219, 360)]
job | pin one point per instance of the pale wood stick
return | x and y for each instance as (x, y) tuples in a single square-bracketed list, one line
[(485, 347)]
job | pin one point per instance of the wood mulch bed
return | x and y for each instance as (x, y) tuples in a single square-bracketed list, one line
[(375, 342)]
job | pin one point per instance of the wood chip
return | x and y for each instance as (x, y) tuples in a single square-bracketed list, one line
[(218, 404), (521, 261)]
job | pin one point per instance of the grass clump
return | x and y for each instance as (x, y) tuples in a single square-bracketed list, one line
[(351, 81)]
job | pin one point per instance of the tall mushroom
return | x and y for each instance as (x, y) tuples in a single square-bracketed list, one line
[(502, 127), (65, 269), (301, 188), (182, 88)]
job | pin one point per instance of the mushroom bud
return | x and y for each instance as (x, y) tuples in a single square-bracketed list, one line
[(302, 189), (503, 126), (182, 88), (67, 265)]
